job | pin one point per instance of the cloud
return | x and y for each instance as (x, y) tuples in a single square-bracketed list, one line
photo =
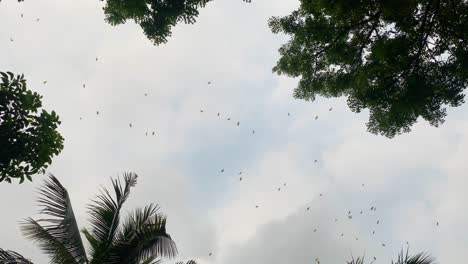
[(301, 237), (414, 180)]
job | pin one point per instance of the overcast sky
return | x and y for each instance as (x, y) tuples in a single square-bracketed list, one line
[(414, 180)]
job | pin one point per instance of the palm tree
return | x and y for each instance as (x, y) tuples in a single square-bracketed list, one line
[(11, 257), (421, 258), (140, 239), (403, 258)]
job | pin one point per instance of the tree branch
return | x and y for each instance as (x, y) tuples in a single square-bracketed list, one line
[(365, 42), (346, 30), (423, 34)]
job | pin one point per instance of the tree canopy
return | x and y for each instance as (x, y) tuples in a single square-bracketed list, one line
[(400, 59), (28, 134), (156, 17)]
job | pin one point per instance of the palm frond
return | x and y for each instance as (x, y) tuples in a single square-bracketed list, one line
[(144, 236), (59, 235), (11, 257), (47, 242), (359, 260), (421, 258), (105, 217), (151, 260), (188, 262)]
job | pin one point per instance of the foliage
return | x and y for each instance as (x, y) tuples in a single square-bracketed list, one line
[(188, 262), (421, 258), (7, 257), (156, 17), (401, 59), (28, 135), (142, 238), (403, 258), (359, 260)]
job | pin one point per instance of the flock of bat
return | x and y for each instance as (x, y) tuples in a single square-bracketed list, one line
[(349, 215)]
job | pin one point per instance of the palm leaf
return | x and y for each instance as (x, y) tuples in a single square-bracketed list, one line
[(11, 257), (421, 258), (59, 235), (151, 260), (143, 236), (105, 216), (359, 260), (47, 242), (188, 262)]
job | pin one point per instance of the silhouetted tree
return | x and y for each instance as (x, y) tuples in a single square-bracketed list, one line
[(420, 258), (401, 59), (156, 17), (141, 238), (403, 258), (188, 262), (28, 135), (11, 257)]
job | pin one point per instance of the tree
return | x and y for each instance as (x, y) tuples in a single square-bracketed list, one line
[(403, 258), (141, 238), (156, 17), (420, 258), (28, 135), (400, 59), (11, 257)]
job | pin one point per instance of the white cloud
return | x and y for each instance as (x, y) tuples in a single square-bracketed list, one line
[(414, 180)]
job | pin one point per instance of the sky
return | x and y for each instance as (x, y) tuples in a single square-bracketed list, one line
[(414, 180)]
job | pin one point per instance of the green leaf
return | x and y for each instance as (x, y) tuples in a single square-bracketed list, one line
[(59, 237), (381, 55), (29, 140)]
